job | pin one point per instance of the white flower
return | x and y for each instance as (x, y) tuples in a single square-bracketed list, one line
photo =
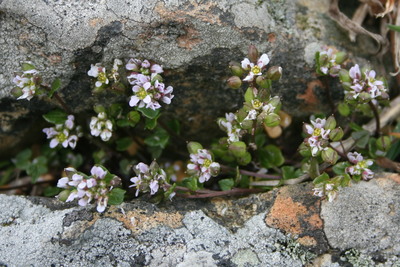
[(201, 165), (327, 189), (255, 69), (27, 83), (360, 167), (100, 126), (99, 72), (148, 178)]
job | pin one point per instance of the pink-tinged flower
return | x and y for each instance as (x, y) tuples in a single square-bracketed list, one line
[(202, 165), (87, 188), (148, 178), (255, 69), (360, 167), (231, 126), (64, 134), (330, 66), (355, 73), (27, 81), (99, 72)]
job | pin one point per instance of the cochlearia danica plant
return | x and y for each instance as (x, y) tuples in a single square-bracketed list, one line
[(129, 138)]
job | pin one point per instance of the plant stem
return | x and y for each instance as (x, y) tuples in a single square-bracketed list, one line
[(250, 173), (232, 192), (58, 98), (377, 119)]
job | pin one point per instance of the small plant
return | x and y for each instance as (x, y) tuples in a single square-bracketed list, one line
[(247, 159)]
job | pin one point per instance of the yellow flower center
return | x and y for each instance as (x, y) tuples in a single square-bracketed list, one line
[(256, 69), (317, 132), (61, 137), (141, 94), (257, 104), (207, 163), (102, 77), (362, 164)]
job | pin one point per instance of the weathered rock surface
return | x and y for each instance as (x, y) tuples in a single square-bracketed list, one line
[(258, 230), (194, 40)]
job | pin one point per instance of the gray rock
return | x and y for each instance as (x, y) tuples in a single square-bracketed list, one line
[(361, 227), (365, 217), (193, 40)]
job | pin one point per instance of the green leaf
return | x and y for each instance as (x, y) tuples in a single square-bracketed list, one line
[(271, 156), (133, 117), (51, 191), (37, 168), (116, 196), (115, 110), (125, 166), (149, 113), (54, 87), (361, 138), (27, 66), (123, 143), (290, 172), (56, 116), (170, 190), (150, 124), (226, 184), (321, 179), (190, 182), (155, 151), (160, 138), (22, 160), (174, 125), (6, 175), (340, 168), (394, 27), (125, 123)]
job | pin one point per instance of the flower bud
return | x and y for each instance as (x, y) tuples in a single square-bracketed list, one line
[(246, 125), (329, 155), (336, 134), (344, 76), (234, 82), (330, 123), (304, 150), (274, 73), (383, 143), (17, 92), (272, 120), (344, 109), (238, 149), (365, 97), (253, 54), (63, 196), (263, 82), (286, 119), (275, 102), (215, 168), (323, 59), (134, 116), (341, 57), (236, 69), (157, 77), (193, 147)]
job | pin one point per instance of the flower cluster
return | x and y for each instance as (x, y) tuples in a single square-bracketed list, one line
[(99, 72), (148, 178), (114, 71), (147, 86), (319, 136), (328, 62), (231, 126), (326, 189), (261, 111), (64, 134), (101, 126), (202, 165), (364, 86), (360, 168), (96, 187), (27, 83)]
